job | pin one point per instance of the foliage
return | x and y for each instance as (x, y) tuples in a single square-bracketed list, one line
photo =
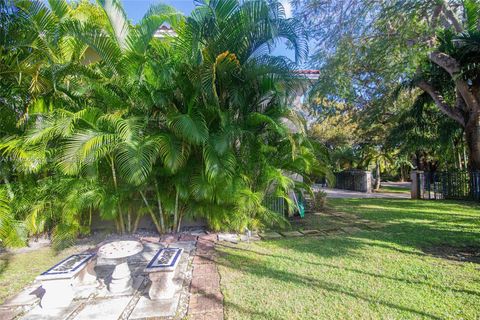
[(121, 124), (383, 56)]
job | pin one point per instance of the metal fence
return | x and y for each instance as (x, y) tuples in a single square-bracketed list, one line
[(460, 185), (276, 204)]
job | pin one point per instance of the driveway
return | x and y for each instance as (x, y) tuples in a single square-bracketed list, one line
[(340, 193)]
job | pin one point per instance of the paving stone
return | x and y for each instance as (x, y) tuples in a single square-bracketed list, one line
[(212, 237), (210, 259), (270, 235), (217, 315), (328, 228), (27, 296), (335, 232), (188, 237), (187, 246), (149, 251), (147, 308), (150, 239), (37, 313), (10, 312), (203, 303), (169, 238), (291, 234), (311, 232), (253, 237), (229, 237), (198, 233), (104, 309)]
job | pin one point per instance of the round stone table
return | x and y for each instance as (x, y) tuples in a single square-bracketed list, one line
[(119, 251)]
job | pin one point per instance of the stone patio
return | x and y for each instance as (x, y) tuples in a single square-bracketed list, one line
[(99, 303), (197, 281)]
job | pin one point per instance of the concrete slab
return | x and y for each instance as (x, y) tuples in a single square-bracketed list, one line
[(83, 292), (197, 233), (311, 232), (291, 234), (334, 232), (187, 246), (27, 296), (253, 237), (149, 251), (10, 313), (147, 308), (104, 309), (37, 313), (270, 235), (229, 237)]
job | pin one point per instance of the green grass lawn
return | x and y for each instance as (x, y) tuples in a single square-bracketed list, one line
[(18, 270), (399, 271)]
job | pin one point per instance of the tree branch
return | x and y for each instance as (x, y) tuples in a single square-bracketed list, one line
[(452, 113), (452, 66), (448, 63), (452, 19)]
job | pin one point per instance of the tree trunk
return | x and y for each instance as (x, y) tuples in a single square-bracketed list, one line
[(175, 215), (472, 136), (152, 214), (160, 210), (377, 176)]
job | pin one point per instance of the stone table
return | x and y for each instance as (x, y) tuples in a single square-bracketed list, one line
[(119, 251)]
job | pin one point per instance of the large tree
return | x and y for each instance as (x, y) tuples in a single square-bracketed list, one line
[(368, 49)]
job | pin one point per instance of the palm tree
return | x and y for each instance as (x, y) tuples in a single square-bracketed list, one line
[(191, 126)]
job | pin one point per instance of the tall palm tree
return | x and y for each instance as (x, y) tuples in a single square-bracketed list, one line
[(197, 125)]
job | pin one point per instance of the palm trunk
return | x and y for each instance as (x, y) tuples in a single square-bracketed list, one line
[(152, 214), (160, 210), (120, 214), (179, 222), (175, 215), (129, 220), (472, 136), (90, 217), (135, 224)]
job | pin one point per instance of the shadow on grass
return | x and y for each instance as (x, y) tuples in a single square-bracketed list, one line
[(411, 226), (4, 261), (354, 270), (256, 268)]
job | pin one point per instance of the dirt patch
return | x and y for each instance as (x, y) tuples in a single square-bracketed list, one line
[(463, 254)]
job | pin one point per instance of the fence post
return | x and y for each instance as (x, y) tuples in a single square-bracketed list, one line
[(416, 188), (367, 180)]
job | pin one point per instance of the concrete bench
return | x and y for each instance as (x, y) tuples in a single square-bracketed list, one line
[(161, 270), (58, 281)]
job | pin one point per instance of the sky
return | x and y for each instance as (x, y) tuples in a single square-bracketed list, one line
[(135, 10)]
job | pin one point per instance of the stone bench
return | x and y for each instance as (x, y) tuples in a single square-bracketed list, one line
[(58, 281), (161, 270)]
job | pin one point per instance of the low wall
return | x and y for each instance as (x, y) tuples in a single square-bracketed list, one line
[(355, 180)]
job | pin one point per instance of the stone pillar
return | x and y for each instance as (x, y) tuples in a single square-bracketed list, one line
[(416, 191), (368, 181), (365, 181)]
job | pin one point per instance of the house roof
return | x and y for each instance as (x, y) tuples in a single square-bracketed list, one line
[(164, 31), (310, 74)]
